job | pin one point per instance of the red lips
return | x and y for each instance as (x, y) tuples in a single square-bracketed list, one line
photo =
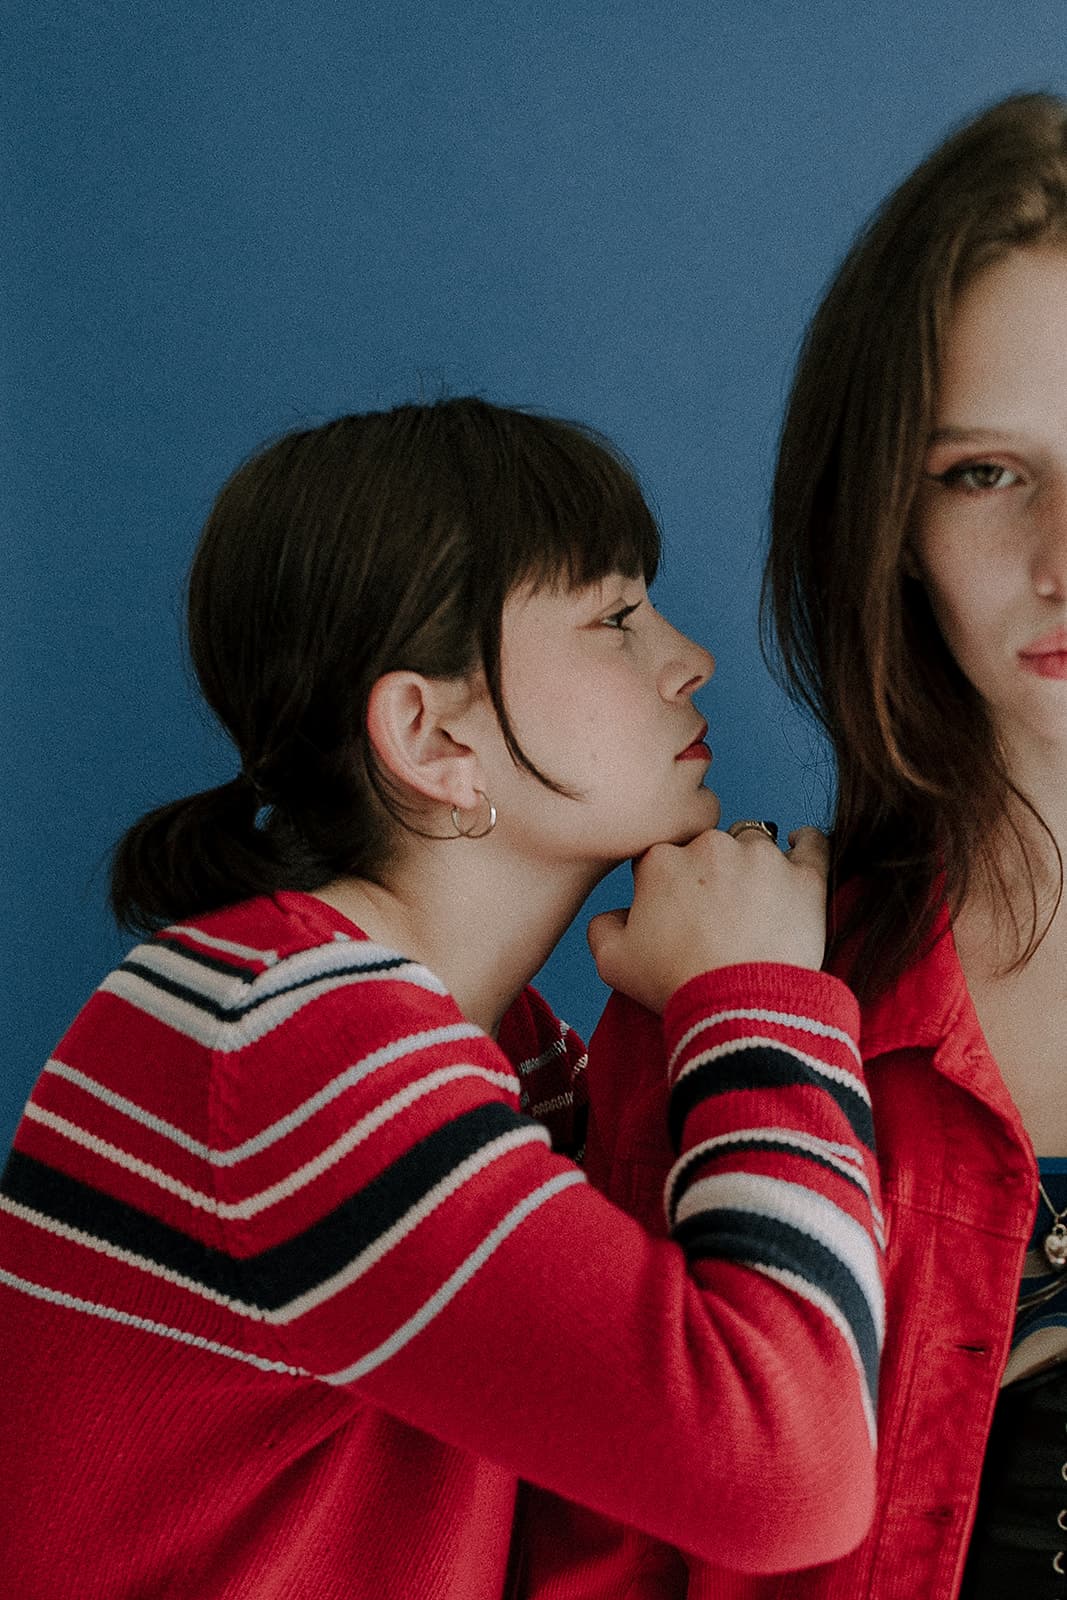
[(1050, 644), (1047, 656), (698, 750)]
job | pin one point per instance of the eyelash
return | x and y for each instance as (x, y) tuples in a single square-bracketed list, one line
[(617, 620), (955, 476)]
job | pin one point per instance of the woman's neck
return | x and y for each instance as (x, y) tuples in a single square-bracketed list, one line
[(1014, 891), (484, 924), (1039, 771), (1023, 1010)]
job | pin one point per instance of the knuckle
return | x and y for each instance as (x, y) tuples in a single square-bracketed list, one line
[(657, 857)]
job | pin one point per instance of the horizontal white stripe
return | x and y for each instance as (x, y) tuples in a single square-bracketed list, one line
[(846, 1158), (395, 1051), (817, 1297), (408, 1330), (556, 1049), (784, 1019), (339, 957), (329, 1287), (246, 952), (544, 1107), (293, 1181), (775, 1200), (192, 1022), (849, 1153), (430, 1202), (127, 1258), (230, 990), (760, 1041), (109, 1314), (462, 1275), (237, 989)]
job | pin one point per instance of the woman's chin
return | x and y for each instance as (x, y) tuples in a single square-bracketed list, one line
[(712, 811), (707, 816)]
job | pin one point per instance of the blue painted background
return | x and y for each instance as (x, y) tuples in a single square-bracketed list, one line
[(217, 222)]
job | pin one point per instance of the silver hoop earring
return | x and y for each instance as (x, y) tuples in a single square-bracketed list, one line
[(474, 832)]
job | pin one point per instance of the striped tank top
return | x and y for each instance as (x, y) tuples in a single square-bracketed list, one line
[(1040, 1336)]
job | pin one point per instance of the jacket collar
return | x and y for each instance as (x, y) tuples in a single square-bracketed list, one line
[(928, 1008), (927, 1005)]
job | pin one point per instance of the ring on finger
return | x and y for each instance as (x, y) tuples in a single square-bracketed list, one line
[(769, 828)]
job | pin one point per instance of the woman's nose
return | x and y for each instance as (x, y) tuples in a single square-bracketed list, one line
[(1050, 558), (687, 670), (1050, 565)]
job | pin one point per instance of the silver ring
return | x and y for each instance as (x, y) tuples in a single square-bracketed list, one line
[(769, 828)]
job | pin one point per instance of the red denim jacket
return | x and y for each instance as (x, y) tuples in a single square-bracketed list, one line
[(959, 1184)]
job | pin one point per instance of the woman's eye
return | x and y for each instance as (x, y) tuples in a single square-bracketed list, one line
[(619, 619), (975, 476)]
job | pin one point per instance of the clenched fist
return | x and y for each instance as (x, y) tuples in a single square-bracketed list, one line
[(712, 903)]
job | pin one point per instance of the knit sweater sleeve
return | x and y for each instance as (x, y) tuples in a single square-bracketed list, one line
[(752, 1022), (359, 1202)]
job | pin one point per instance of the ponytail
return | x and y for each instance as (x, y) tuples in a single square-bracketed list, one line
[(194, 855)]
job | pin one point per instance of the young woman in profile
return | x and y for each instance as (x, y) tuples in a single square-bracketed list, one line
[(293, 1283), (917, 581)]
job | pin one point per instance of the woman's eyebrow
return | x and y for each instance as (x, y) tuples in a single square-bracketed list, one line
[(954, 434)]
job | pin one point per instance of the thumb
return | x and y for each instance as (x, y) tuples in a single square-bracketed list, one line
[(810, 848), (603, 934)]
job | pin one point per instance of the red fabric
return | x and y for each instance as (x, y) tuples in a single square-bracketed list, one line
[(212, 1392), (959, 1184)]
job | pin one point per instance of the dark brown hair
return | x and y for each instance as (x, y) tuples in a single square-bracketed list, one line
[(372, 543), (922, 785)]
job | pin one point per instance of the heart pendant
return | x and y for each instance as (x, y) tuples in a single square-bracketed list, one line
[(1056, 1247)]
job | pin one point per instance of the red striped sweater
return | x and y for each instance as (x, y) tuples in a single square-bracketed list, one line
[(293, 1288)]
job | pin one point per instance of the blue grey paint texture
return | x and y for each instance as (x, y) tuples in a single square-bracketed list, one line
[(219, 222)]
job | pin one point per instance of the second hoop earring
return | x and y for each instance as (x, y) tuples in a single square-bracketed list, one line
[(474, 831)]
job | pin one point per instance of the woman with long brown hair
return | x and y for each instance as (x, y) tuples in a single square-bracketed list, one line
[(918, 583), (917, 587)]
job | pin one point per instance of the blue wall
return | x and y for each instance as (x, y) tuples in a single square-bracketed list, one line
[(222, 221)]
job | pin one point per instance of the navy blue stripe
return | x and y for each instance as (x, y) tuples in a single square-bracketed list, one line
[(729, 1234), (686, 1170), (233, 968), (67, 1200), (236, 1013), (764, 1066), (287, 1270)]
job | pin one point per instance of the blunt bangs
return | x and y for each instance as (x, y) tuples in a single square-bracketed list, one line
[(545, 501), (585, 515)]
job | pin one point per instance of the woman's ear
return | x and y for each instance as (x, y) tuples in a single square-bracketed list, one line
[(415, 726)]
